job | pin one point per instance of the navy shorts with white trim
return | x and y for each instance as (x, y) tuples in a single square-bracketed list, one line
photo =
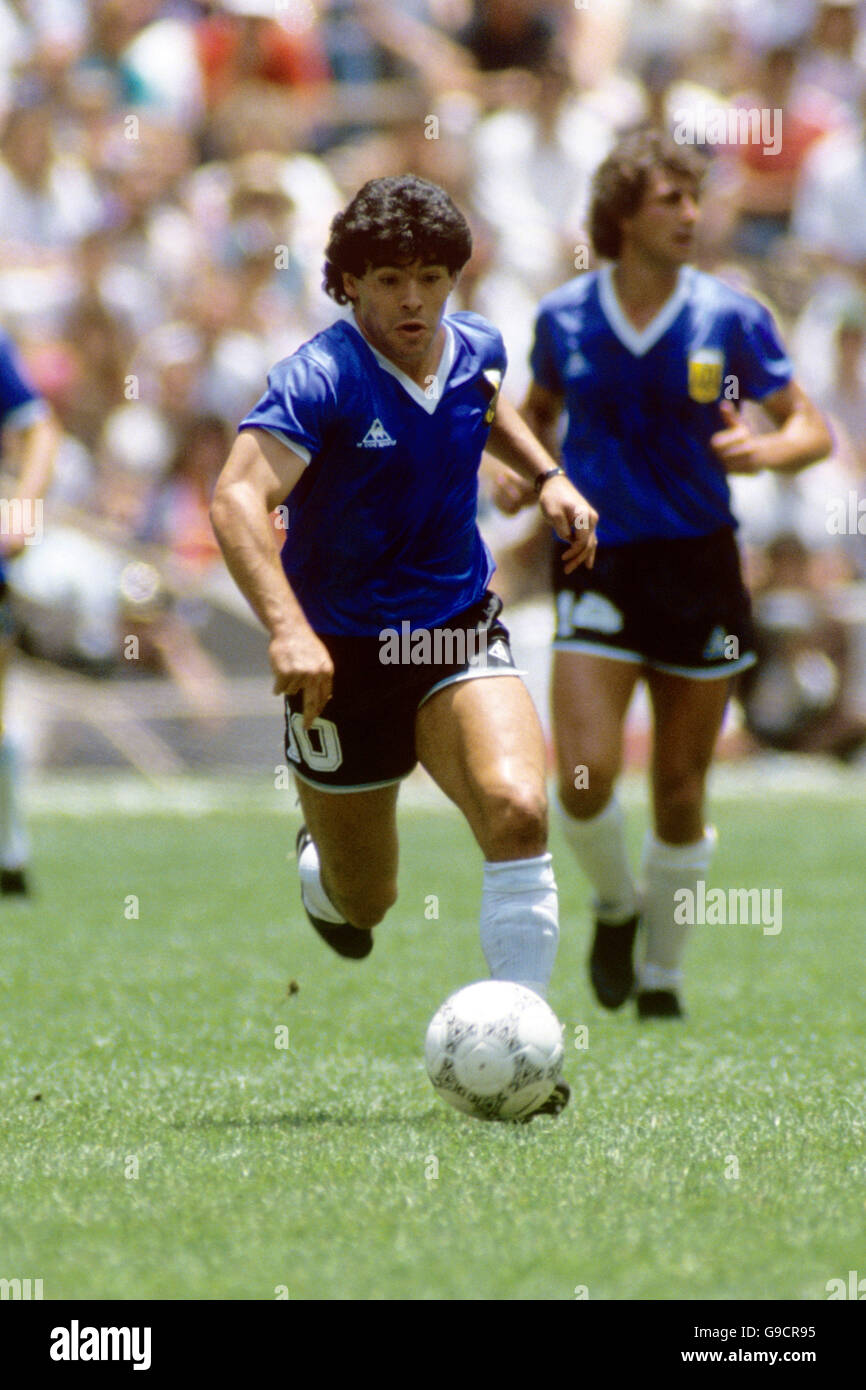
[(365, 736), (672, 605)]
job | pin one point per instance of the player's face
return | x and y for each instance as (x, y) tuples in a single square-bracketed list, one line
[(399, 309), (663, 228)]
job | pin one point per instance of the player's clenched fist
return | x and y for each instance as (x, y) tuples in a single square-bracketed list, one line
[(735, 445), (300, 661), (509, 492)]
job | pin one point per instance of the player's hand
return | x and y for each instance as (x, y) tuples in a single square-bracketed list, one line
[(509, 492), (737, 447), (300, 661), (573, 520), (12, 543)]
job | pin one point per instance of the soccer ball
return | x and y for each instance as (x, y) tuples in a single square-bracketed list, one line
[(493, 1050)]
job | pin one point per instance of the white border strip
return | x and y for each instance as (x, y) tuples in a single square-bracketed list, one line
[(471, 676)]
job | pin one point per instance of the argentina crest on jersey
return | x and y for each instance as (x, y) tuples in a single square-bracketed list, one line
[(706, 367)]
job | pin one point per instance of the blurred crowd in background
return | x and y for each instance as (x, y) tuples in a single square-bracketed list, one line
[(168, 173)]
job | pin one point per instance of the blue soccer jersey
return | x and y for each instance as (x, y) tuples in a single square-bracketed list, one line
[(642, 404), (20, 405), (381, 526)]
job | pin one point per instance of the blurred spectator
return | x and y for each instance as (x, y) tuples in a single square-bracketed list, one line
[(773, 22), (163, 71), (833, 60), (113, 26), (844, 397), (798, 697), (99, 350), (508, 34), (670, 31), (765, 179), (178, 515), (532, 169), (844, 401), (48, 198), (354, 53), (829, 212), (244, 41)]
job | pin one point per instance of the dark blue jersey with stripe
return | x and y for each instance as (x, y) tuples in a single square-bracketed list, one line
[(642, 404), (382, 525)]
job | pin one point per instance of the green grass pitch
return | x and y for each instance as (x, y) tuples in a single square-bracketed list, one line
[(158, 1143)]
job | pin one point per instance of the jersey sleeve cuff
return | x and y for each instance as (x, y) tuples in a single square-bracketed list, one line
[(771, 388), (300, 449), (25, 414)]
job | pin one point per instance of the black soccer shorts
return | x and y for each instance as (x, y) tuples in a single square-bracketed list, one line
[(365, 736), (673, 605)]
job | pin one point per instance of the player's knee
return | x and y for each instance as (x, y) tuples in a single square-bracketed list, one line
[(587, 790), (586, 798), (516, 824)]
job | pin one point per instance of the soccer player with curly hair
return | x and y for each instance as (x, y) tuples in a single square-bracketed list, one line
[(385, 639)]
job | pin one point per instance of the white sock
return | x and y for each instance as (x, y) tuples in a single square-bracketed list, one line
[(14, 842), (520, 921), (313, 895), (600, 847), (665, 869)]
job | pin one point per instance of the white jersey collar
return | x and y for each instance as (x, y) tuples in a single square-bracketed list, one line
[(427, 397), (639, 341)]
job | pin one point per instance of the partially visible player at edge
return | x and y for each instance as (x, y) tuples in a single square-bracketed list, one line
[(371, 435), (648, 358), (29, 446)]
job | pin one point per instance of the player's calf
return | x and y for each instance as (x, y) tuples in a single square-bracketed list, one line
[(366, 912), (344, 922), (679, 802)]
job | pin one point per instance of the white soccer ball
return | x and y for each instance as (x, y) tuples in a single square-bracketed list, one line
[(494, 1050)]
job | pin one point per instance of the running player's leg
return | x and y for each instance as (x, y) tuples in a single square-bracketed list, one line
[(14, 842), (591, 696), (348, 764), (688, 716), (481, 741), (349, 871), (590, 699)]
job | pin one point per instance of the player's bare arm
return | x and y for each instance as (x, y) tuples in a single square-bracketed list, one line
[(32, 450), (569, 513), (801, 436), (542, 412), (258, 476)]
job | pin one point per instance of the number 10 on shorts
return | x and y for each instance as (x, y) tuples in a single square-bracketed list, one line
[(317, 748)]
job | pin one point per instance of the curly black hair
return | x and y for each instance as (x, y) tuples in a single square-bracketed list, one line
[(622, 179), (395, 221)]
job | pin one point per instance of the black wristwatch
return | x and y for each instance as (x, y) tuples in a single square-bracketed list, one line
[(543, 477)]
